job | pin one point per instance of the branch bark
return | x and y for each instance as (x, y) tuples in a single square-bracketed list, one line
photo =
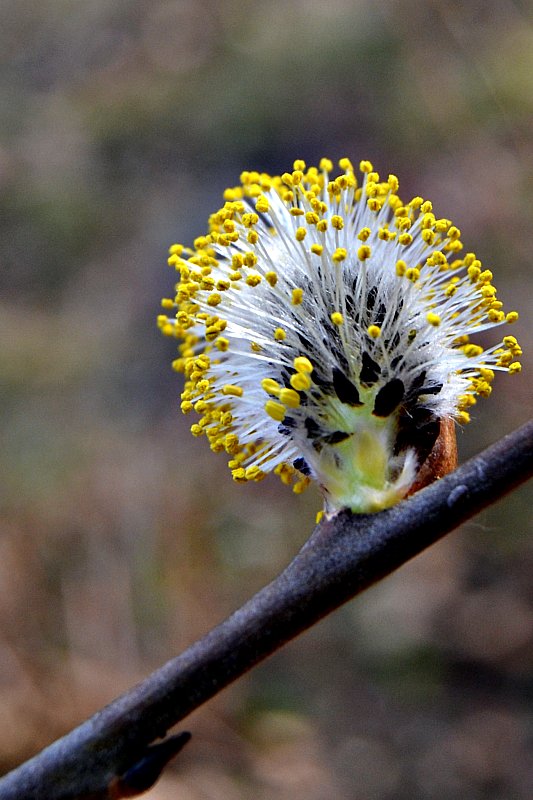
[(112, 755)]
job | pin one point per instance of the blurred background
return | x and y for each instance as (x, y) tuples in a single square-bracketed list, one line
[(121, 124)]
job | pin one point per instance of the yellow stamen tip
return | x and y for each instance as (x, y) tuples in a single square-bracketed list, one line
[(275, 410), (302, 364)]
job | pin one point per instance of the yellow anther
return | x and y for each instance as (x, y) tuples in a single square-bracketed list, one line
[(262, 204), (322, 226), (337, 318), (271, 278), (433, 319), (363, 234), (466, 400), (237, 460), (300, 234), (437, 259), (297, 297), (405, 239), (186, 406), (453, 246), (275, 410), (176, 249), (253, 280), (403, 223), (289, 398), (339, 255), (300, 381), (296, 212), (473, 272), (301, 485), (483, 389), (279, 334), (317, 249), (271, 386), (312, 218), (302, 364), (250, 259), (249, 219), (254, 473), (364, 252), (401, 268), (326, 165), (505, 359), (394, 183), (472, 350), (221, 344), (374, 331), (232, 390), (463, 417), (515, 367), (285, 473), (214, 299), (347, 165), (231, 442), (442, 225), (511, 317), (412, 274), (239, 475), (366, 166), (337, 222)]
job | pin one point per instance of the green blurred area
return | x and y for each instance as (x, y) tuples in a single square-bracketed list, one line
[(122, 537)]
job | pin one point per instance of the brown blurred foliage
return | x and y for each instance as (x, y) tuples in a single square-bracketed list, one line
[(122, 538)]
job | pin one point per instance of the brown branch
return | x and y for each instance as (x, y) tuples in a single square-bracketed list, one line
[(112, 755)]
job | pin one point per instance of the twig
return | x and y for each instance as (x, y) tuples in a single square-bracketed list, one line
[(343, 556)]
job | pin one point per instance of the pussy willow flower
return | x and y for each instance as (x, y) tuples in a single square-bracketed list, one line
[(326, 328)]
